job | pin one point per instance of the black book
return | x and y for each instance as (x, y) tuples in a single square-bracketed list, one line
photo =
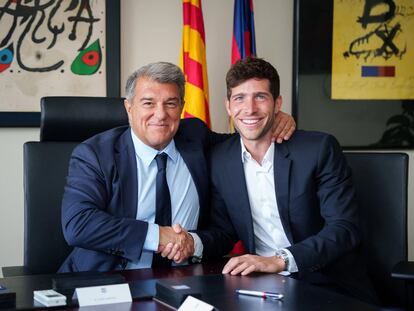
[(174, 292)]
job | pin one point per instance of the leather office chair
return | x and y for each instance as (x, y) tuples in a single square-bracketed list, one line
[(381, 182), (65, 121)]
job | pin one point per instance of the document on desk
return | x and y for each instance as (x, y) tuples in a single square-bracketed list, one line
[(100, 295), (194, 304)]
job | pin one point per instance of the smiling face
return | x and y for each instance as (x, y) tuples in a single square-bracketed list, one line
[(154, 114), (253, 109)]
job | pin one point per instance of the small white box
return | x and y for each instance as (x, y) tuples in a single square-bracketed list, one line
[(49, 298)]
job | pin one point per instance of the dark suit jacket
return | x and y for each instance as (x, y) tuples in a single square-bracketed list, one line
[(100, 200), (315, 199)]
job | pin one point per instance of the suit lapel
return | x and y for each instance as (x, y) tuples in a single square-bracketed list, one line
[(241, 201), (282, 165), (126, 165)]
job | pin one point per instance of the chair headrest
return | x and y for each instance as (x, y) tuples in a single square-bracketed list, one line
[(78, 118)]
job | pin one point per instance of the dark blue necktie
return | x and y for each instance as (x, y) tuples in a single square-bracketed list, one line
[(162, 204)]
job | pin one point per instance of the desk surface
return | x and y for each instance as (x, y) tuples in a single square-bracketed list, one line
[(216, 289)]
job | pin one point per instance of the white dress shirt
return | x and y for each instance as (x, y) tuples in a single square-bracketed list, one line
[(185, 205), (269, 234)]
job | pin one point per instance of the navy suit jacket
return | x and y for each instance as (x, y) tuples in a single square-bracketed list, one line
[(99, 205), (316, 202)]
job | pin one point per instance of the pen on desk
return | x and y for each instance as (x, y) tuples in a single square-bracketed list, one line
[(255, 293)]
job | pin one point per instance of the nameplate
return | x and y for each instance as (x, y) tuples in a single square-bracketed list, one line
[(194, 304), (102, 295)]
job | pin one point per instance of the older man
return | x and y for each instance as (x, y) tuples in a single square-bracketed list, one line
[(126, 186)]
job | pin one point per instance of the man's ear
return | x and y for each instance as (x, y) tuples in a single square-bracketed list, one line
[(227, 105), (128, 107), (182, 106), (278, 103)]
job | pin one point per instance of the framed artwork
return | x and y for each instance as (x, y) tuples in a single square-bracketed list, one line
[(56, 48), (354, 71)]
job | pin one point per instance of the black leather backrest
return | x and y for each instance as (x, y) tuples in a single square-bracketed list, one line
[(65, 121), (78, 118), (45, 170), (381, 181)]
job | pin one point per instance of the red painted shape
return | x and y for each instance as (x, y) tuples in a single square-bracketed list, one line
[(91, 58), (3, 67)]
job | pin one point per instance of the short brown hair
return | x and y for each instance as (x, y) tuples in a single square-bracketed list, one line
[(250, 68)]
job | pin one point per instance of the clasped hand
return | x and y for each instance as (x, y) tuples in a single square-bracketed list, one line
[(175, 243)]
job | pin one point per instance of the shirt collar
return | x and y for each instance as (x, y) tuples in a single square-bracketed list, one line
[(268, 158), (147, 153)]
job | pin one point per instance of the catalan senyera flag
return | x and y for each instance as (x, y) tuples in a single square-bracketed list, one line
[(244, 42), (243, 45), (193, 62)]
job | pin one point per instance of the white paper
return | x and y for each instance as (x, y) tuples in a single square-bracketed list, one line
[(100, 295), (194, 304)]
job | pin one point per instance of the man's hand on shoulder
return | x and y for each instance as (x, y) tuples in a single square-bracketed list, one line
[(247, 264), (283, 127)]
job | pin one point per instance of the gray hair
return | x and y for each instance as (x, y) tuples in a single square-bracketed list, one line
[(161, 72)]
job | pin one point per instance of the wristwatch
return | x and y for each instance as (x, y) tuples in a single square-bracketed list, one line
[(194, 259), (282, 254)]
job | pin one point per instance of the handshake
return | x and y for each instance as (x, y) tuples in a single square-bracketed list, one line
[(175, 243)]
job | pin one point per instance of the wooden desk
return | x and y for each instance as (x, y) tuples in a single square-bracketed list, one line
[(217, 290)]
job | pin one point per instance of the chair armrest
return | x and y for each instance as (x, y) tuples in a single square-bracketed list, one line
[(15, 271), (404, 270)]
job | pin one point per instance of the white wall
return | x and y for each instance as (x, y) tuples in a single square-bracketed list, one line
[(11, 193), (151, 31)]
